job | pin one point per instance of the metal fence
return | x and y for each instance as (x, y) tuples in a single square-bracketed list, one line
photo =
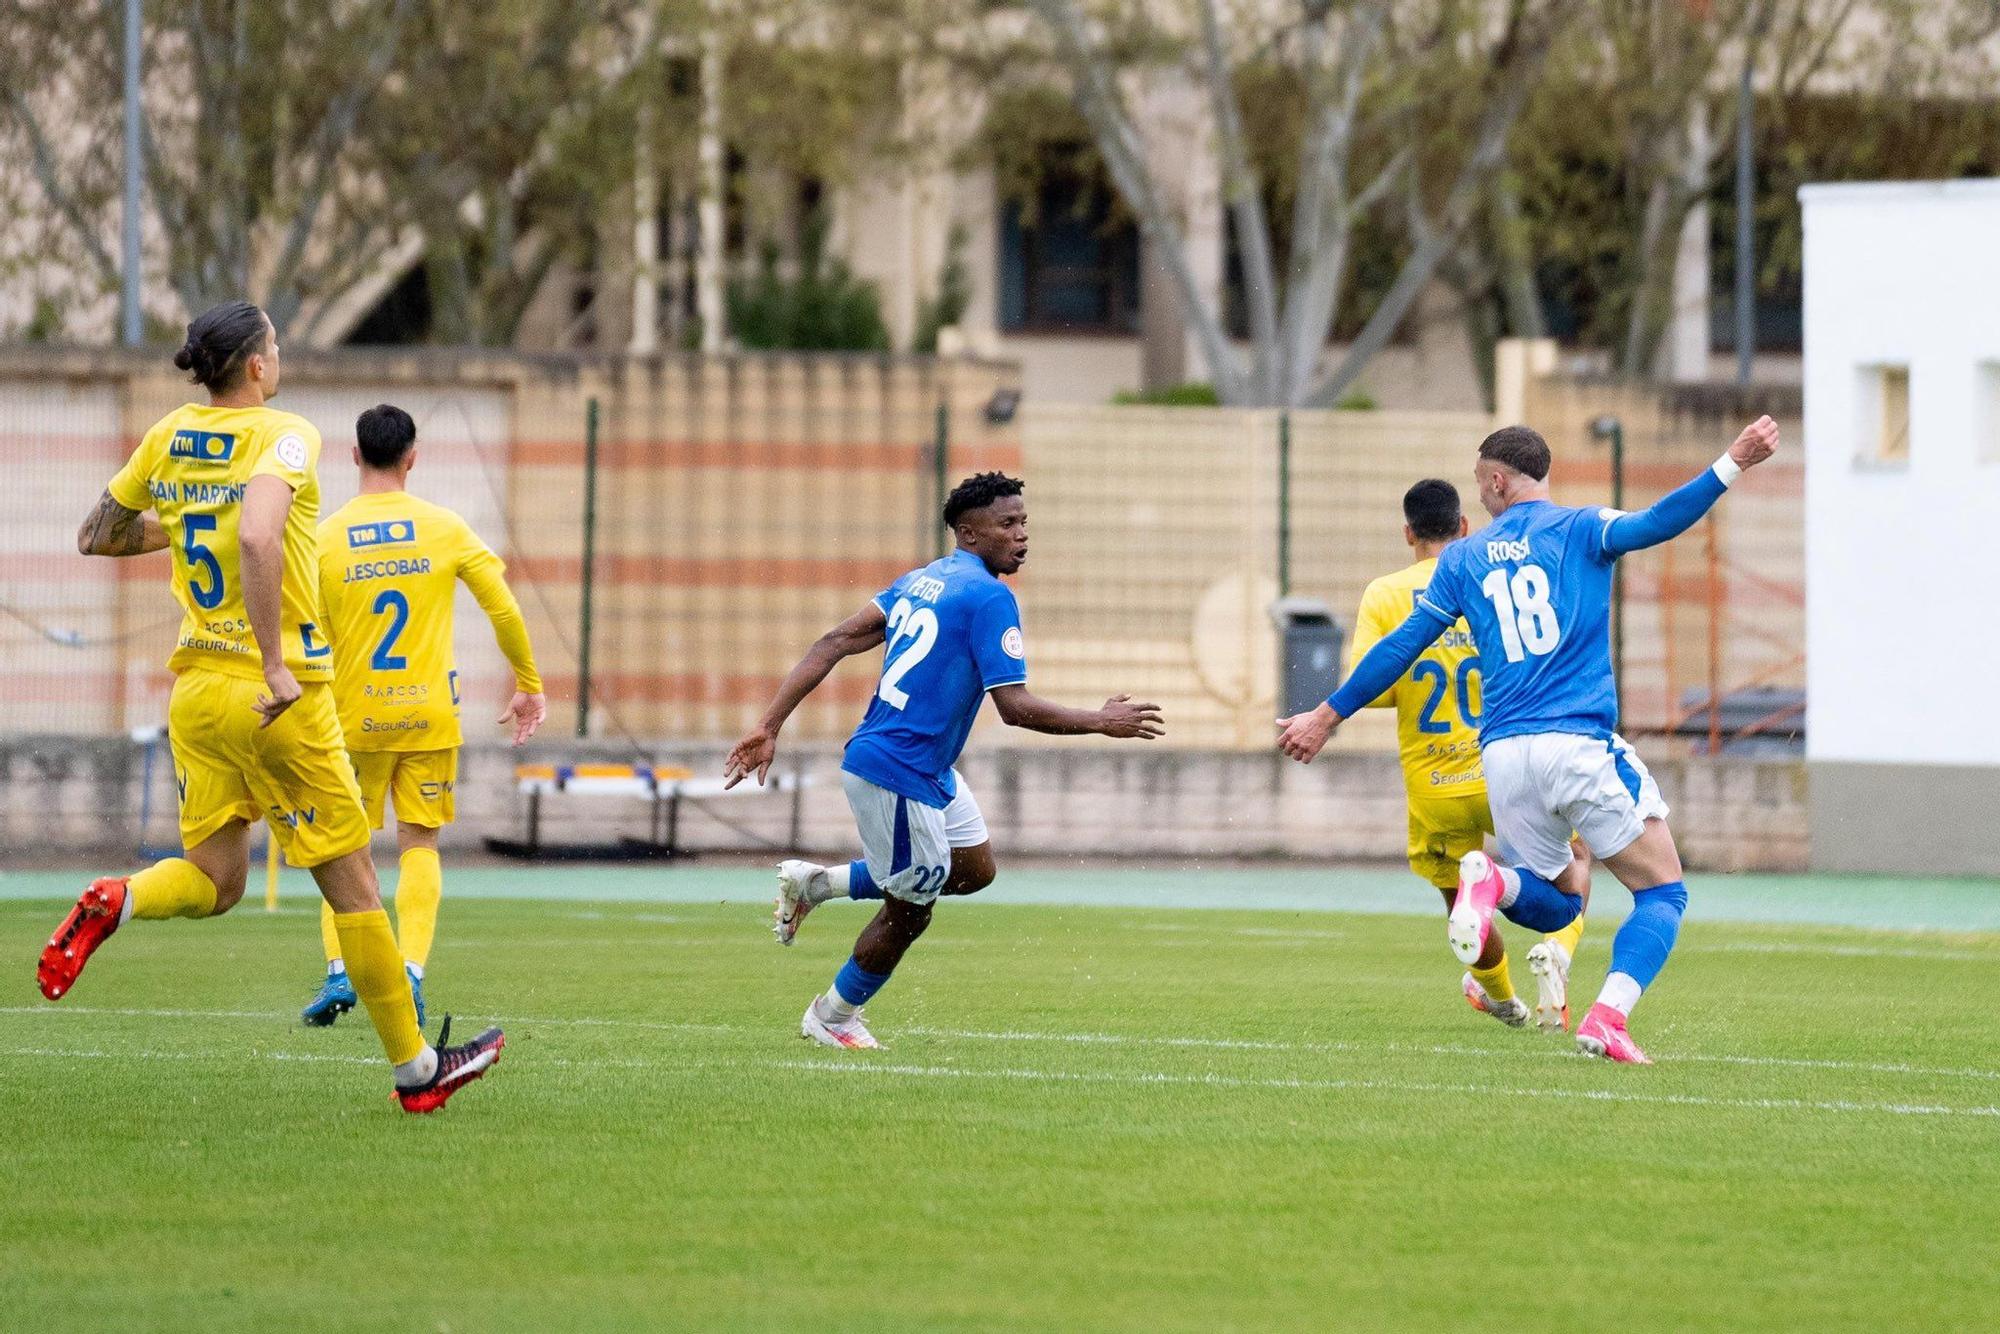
[(739, 506)]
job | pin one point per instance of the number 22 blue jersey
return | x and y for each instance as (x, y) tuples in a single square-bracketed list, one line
[(954, 633), (1535, 586)]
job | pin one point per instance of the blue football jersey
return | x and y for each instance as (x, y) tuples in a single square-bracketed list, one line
[(954, 634), (1535, 586)]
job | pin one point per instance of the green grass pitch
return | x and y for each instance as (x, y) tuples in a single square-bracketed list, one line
[(1140, 1117)]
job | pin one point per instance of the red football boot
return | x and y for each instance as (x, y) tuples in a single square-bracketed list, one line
[(89, 924), (457, 1067)]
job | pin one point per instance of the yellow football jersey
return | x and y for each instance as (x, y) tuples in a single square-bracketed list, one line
[(1438, 702), (389, 566), (193, 469)]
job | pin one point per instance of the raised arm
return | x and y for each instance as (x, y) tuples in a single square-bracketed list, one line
[(260, 538), (1680, 509), (113, 530), (485, 575), (862, 631), (1303, 735), (1120, 717)]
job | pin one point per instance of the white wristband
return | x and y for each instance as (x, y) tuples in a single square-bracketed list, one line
[(1727, 470)]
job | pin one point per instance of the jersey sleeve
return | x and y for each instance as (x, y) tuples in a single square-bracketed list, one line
[(1445, 598), (1618, 534), (293, 457), (1376, 618), (1385, 664), (131, 486), (997, 645), (485, 574)]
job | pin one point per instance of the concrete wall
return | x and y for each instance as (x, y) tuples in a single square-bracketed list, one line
[(1905, 756), (67, 797)]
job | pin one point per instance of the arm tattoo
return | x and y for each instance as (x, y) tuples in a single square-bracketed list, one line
[(113, 530)]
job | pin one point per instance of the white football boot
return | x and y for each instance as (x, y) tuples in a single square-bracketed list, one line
[(1513, 1013), (794, 897), (851, 1033), (1550, 964)]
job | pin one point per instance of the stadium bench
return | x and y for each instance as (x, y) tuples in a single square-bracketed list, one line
[(664, 786)]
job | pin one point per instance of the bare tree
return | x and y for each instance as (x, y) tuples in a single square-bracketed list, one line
[(1372, 133)]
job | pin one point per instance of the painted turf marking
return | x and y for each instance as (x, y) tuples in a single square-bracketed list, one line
[(1848, 951), (1111, 1039), (1146, 1079), (1390, 1086)]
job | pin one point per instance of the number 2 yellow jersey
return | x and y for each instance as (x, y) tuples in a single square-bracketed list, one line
[(389, 568), (1437, 702), (193, 470)]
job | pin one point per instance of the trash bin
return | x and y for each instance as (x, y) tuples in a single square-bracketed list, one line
[(1309, 644)]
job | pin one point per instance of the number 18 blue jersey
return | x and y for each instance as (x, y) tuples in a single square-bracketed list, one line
[(954, 633), (1535, 586)]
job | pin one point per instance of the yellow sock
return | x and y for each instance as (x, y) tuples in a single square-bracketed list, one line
[(1569, 937), (329, 935), (1499, 986), (172, 888), (419, 886), (375, 967)]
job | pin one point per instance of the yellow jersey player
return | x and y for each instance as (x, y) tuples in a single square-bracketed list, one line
[(1437, 723), (235, 486), (389, 565)]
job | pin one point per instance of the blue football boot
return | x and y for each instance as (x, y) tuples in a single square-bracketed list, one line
[(335, 999), (416, 992)]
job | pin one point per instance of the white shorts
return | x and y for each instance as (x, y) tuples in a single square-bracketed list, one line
[(1543, 786), (907, 844)]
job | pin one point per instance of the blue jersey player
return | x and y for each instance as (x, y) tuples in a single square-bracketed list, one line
[(953, 632), (1535, 586)]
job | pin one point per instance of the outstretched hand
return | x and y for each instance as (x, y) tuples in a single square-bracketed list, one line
[(753, 753), (1758, 442), (1303, 735), (1120, 717), (524, 713)]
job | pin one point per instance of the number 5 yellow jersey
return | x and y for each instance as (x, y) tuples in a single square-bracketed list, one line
[(193, 470), (389, 567), (1438, 702)]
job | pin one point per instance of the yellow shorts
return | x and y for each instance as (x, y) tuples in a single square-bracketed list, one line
[(419, 781), (1443, 829), (293, 773)]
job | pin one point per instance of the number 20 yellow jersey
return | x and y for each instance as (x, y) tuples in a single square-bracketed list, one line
[(1437, 702)]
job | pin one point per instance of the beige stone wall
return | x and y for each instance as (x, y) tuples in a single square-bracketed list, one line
[(65, 797)]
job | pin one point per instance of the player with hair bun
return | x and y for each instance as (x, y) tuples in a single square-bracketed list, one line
[(252, 722)]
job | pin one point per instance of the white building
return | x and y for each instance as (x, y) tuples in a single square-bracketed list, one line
[(1902, 403)]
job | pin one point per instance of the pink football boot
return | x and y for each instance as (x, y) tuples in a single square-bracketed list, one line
[(1602, 1033)]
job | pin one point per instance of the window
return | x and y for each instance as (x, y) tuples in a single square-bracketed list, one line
[(1882, 416), (1069, 264)]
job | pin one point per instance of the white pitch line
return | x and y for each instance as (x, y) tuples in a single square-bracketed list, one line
[(1392, 1086), (1118, 1040), (1848, 951), (1145, 1079)]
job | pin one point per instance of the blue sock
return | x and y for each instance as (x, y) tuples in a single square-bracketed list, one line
[(860, 884), (1540, 906), (1641, 947), (856, 984)]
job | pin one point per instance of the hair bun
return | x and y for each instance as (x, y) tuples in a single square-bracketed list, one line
[(195, 358)]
